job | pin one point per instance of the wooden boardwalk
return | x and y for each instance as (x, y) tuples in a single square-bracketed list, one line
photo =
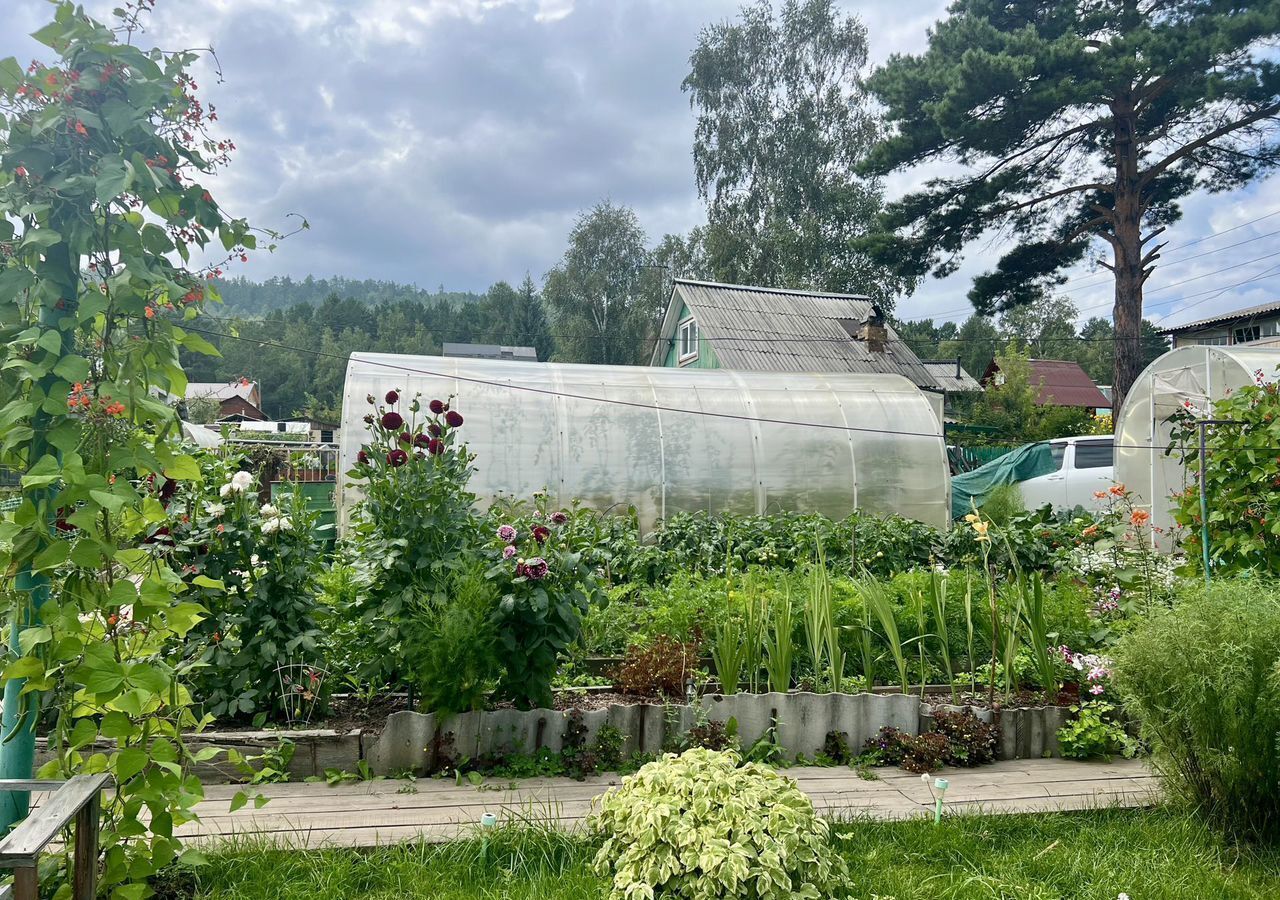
[(389, 811)]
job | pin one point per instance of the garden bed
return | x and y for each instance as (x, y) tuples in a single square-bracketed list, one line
[(797, 723)]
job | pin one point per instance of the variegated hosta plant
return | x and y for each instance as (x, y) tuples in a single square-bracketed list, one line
[(703, 826)]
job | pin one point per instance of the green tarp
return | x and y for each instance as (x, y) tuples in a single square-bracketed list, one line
[(971, 488)]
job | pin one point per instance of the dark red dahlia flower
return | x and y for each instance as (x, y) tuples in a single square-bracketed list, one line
[(436, 407), (392, 421), (454, 419), (397, 457)]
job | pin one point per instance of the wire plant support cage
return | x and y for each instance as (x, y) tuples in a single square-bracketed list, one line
[(300, 686)]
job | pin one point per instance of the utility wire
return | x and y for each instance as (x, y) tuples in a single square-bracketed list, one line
[(507, 385)]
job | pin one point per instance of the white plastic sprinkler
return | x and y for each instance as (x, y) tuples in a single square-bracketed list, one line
[(488, 820)]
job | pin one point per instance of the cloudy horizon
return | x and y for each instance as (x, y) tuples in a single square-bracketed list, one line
[(454, 142)]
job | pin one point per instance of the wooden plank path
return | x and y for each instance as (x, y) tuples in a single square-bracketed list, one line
[(389, 811)]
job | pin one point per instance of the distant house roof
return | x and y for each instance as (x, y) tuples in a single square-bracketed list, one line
[(490, 351), (1061, 383), (951, 376), (777, 330), (245, 390), (1248, 312)]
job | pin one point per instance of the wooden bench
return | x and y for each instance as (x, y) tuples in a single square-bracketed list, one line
[(78, 798)]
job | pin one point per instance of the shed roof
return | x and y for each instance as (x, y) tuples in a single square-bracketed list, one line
[(1061, 383), (489, 351), (222, 390), (951, 376), (1248, 312), (777, 330)]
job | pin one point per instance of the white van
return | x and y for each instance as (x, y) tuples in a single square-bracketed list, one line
[(1085, 465)]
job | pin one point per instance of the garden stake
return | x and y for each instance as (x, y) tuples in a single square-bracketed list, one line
[(1203, 424)]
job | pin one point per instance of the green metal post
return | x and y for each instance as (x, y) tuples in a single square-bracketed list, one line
[(1204, 503), (18, 731), (18, 752)]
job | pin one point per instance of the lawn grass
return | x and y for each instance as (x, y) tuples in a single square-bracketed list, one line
[(1149, 854)]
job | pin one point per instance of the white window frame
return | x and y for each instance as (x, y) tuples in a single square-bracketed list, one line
[(686, 356)]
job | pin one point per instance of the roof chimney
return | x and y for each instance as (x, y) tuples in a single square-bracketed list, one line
[(874, 331)]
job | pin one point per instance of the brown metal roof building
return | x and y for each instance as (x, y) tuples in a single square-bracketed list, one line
[(731, 326), (1061, 383)]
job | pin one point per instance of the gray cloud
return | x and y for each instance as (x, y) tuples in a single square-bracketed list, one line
[(454, 141)]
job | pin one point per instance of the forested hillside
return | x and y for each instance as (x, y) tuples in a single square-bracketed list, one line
[(252, 298), (302, 369)]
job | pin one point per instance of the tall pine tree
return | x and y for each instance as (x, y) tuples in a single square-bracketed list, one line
[(1061, 122)]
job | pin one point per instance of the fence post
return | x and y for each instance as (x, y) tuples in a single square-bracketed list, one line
[(85, 879)]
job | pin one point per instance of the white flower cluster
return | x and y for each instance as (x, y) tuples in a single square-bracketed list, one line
[(273, 520), (240, 483)]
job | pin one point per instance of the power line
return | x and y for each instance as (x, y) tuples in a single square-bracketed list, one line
[(1167, 263), (507, 385)]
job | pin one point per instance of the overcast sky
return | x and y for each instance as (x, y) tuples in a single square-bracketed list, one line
[(453, 141)]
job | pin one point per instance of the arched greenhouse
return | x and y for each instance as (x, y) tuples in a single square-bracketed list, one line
[(666, 440), (1198, 376)]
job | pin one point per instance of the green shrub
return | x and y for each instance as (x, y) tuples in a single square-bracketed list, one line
[(450, 646), (1203, 681), (702, 826), (1003, 504), (1094, 733)]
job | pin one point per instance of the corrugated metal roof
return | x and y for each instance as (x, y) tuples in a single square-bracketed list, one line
[(774, 330), (951, 375), (1247, 313), (1061, 383), (489, 351)]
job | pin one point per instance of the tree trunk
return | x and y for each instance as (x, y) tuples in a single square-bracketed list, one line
[(1127, 254), (1127, 313)]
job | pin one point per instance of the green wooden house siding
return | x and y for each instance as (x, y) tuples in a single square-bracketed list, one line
[(706, 356)]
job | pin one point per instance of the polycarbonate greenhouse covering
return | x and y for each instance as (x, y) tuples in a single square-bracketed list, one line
[(667, 440), (1190, 379)]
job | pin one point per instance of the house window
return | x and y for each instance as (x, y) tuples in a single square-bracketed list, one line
[(326, 436), (1216, 341), (687, 338), (1247, 333)]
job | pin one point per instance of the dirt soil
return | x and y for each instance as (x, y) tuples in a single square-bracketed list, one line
[(1023, 699), (567, 700), (348, 713)]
